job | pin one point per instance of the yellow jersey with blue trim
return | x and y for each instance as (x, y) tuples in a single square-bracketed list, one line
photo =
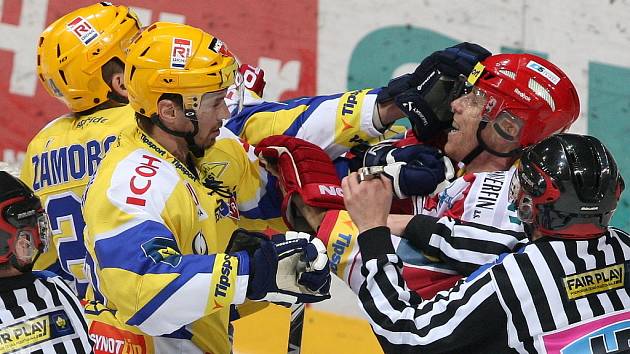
[(156, 240), (335, 122), (58, 164), (230, 169)]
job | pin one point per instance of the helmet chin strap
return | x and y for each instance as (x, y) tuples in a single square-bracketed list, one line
[(529, 230), (482, 146), (195, 149), (114, 96)]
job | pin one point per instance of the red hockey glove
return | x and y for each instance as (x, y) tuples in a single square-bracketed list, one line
[(253, 78), (303, 168)]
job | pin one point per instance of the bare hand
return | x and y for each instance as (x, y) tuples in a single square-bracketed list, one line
[(368, 202), (311, 214)]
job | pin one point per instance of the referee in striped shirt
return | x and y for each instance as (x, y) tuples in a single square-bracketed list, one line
[(564, 291), (38, 312)]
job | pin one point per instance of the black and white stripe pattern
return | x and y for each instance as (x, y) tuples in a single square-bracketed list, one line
[(463, 245), (503, 307), (30, 297)]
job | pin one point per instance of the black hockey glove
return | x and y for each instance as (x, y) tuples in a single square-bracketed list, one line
[(426, 94)]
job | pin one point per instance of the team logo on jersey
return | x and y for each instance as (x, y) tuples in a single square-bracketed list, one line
[(162, 250), (111, 340), (181, 50), (200, 246), (595, 281), (444, 199), (83, 29), (227, 208), (214, 169)]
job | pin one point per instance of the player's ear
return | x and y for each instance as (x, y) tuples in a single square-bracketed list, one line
[(167, 110), (118, 84)]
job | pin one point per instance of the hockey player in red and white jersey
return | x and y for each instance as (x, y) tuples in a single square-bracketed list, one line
[(518, 100)]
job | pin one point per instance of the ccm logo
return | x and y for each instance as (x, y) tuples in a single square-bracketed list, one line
[(141, 181), (330, 190)]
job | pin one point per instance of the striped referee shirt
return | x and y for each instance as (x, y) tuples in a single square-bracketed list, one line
[(40, 314), (551, 295), (463, 245)]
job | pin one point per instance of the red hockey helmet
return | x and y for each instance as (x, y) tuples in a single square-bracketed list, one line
[(532, 89)]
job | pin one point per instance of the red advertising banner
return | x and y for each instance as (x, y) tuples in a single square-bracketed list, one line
[(278, 35)]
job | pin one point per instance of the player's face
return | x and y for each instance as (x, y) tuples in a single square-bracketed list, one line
[(212, 111), (462, 139)]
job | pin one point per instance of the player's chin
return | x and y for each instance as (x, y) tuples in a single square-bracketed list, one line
[(209, 142), (451, 147), (211, 138)]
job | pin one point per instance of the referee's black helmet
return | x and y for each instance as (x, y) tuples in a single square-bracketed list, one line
[(569, 186)]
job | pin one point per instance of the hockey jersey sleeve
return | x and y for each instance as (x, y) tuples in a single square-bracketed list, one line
[(143, 261), (456, 321), (463, 245), (333, 122)]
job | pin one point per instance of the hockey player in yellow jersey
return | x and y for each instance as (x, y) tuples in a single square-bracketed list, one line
[(80, 61), (165, 261)]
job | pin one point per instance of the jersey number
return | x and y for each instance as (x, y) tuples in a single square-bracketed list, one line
[(66, 221)]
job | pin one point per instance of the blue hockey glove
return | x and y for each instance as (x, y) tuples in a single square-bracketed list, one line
[(385, 153), (414, 169), (287, 269)]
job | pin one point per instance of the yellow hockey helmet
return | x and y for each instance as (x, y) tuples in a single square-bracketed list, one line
[(73, 49), (177, 59)]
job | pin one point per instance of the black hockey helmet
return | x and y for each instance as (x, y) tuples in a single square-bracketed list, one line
[(24, 227), (569, 186)]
